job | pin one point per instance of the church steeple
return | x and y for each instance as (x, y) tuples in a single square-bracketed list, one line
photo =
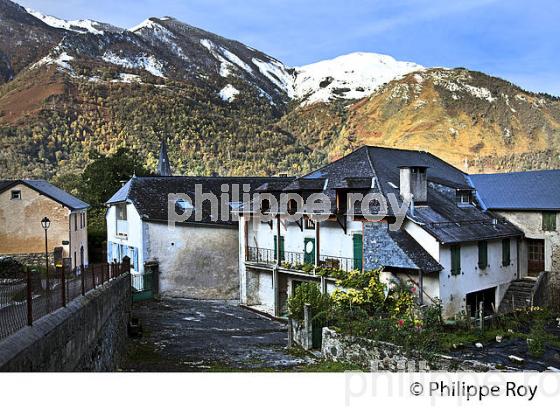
[(163, 167)]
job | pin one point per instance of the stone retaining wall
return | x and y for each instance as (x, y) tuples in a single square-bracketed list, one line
[(382, 356), (88, 335), (31, 259)]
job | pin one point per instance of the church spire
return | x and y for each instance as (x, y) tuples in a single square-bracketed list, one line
[(163, 167)]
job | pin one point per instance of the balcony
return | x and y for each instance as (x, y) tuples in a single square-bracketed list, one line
[(300, 262)]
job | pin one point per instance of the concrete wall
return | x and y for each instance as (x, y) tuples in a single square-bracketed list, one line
[(88, 335), (531, 225), (195, 261)]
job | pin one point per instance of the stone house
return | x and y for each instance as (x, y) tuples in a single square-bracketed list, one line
[(434, 234), (197, 258), (23, 204), (531, 201)]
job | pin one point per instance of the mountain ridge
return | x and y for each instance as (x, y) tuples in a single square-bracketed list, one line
[(81, 88)]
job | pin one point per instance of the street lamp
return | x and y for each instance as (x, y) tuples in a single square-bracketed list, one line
[(46, 223)]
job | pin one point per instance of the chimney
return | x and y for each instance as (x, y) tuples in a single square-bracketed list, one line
[(414, 184)]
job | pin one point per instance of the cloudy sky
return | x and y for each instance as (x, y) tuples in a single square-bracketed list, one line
[(518, 40)]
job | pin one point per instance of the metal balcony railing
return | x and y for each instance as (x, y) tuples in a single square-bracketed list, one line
[(296, 260)]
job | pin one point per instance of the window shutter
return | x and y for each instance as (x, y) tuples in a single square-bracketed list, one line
[(358, 250), (109, 251), (276, 248), (506, 260), (549, 221), (482, 254), (455, 260)]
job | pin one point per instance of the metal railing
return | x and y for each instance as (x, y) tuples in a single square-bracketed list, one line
[(339, 263), (32, 295), (297, 259)]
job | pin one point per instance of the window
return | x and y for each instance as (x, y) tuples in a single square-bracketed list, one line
[(183, 206), (506, 259), (309, 223), (16, 194), (464, 197), (482, 254), (121, 212), (75, 222), (455, 260), (549, 221)]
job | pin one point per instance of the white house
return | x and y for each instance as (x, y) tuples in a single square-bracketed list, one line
[(531, 201), (197, 258), (446, 244)]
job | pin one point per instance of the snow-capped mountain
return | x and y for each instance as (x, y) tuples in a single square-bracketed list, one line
[(167, 48), (78, 26), (350, 76)]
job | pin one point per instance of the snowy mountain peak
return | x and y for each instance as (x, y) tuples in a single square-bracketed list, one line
[(150, 23), (350, 76), (79, 26)]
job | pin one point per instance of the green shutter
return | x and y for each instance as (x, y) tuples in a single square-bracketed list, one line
[(506, 260), (276, 248), (549, 221), (482, 254), (358, 250), (455, 260)]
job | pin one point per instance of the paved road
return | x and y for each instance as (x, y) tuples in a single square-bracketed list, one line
[(189, 335)]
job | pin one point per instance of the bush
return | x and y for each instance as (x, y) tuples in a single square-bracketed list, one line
[(432, 315), (537, 338), (308, 293)]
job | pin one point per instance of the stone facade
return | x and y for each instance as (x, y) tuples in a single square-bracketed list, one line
[(88, 335), (383, 356), (31, 259)]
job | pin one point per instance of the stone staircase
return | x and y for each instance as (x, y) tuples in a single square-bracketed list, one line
[(518, 294)]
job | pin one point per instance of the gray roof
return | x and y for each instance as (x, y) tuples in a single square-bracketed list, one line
[(531, 190), (49, 190), (376, 170), (388, 249), (150, 194)]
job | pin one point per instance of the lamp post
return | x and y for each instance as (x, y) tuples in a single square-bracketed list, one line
[(46, 223)]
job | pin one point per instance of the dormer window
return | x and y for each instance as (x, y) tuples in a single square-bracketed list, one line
[(292, 206), (265, 205), (16, 194), (182, 206), (464, 197)]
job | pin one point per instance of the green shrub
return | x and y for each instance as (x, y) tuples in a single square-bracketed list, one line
[(308, 293)]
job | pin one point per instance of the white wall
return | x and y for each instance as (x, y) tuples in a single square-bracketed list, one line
[(454, 288), (135, 236), (333, 241), (195, 260)]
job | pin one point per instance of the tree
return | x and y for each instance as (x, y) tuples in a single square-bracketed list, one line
[(106, 174)]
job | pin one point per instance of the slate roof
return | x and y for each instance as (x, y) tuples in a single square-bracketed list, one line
[(531, 190), (418, 255), (441, 216), (150, 194), (49, 190), (449, 223), (388, 249)]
